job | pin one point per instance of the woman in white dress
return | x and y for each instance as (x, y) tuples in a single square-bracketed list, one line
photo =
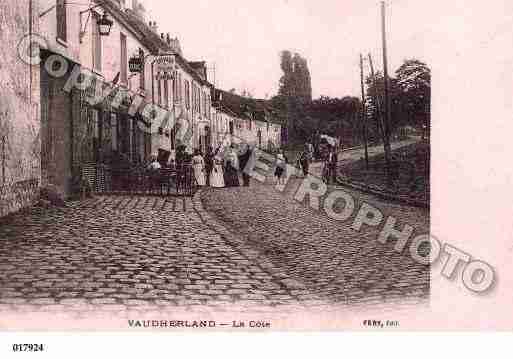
[(217, 175), (199, 168)]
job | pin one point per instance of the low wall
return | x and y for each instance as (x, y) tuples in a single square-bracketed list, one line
[(18, 195)]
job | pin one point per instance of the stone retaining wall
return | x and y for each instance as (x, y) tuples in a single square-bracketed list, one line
[(20, 147)]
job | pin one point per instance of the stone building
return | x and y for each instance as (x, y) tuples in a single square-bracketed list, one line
[(85, 138), (79, 113), (20, 151)]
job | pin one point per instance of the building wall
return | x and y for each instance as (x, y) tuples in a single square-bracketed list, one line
[(66, 131), (20, 150), (243, 132), (177, 104), (48, 29), (111, 54)]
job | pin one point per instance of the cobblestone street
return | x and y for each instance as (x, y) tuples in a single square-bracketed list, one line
[(335, 262), (121, 253), (149, 253), (228, 249)]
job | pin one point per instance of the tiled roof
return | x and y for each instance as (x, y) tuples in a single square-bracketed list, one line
[(200, 68), (238, 105), (142, 31), (148, 37), (242, 106)]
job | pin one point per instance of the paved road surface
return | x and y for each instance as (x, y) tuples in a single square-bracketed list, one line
[(250, 247), (336, 263)]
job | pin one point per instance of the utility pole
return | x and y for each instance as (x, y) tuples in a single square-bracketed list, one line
[(364, 115), (379, 118), (388, 114)]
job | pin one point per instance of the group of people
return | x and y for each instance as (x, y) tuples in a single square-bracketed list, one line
[(222, 170), (328, 156)]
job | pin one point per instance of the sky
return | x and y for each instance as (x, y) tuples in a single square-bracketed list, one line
[(244, 38)]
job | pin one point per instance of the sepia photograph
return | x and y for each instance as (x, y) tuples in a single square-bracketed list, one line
[(237, 166)]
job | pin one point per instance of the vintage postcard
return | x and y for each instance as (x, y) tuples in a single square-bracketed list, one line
[(244, 166)]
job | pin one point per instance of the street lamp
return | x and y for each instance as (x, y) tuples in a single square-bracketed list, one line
[(104, 25)]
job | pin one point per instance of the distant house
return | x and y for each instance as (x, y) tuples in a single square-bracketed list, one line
[(248, 120)]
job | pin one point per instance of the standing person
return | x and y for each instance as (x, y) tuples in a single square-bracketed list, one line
[(298, 164), (243, 161), (304, 160), (209, 163), (280, 166), (198, 165), (180, 155), (153, 172), (309, 149), (231, 166), (217, 175), (332, 161)]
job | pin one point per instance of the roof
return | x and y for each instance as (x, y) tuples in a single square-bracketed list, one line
[(244, 107), (200, 68), (149, 38), (139, 28), (237, 105)]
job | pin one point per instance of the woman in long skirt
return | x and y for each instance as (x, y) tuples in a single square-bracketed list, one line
[(281, 166), (217, 175), (198, 164), (231, 175)]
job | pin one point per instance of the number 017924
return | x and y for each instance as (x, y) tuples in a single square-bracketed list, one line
[(28, 347)]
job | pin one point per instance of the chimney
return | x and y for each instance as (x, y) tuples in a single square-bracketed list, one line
[(162, 35), (168, 39), (154, 27)]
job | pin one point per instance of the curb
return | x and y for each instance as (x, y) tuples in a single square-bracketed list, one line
[(383, 195)]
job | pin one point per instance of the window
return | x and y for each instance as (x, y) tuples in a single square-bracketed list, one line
[(159, 91), (97, 44), (200, 100), (181, 88), (194, 98), (114, 131), (174, 85), (61, 20), (96, 130), (142, 76), (188, 94), (204, 103), (166, 93), (124, 60), (209, 107)]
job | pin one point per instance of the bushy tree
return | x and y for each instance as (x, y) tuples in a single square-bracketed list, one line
[(414, 82), (410, 96), (296, 81)]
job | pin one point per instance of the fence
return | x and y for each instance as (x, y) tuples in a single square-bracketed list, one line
[(102, 179)]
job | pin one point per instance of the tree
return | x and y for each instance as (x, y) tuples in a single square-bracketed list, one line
[(410, 96), (287, 79), (414, 81), (296, 80)]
